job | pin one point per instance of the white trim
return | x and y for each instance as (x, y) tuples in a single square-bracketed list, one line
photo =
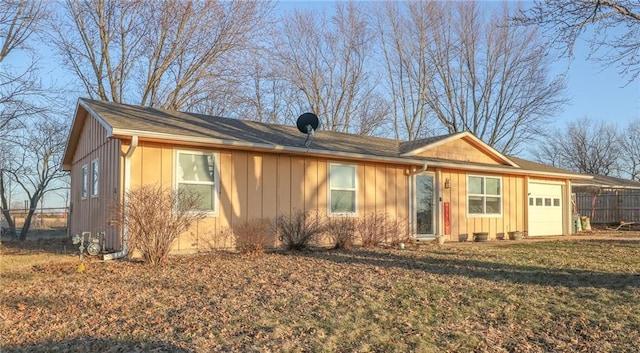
[(125, 133), (97, 116), (485, 195), (434, 213), (95, 184), (354, 189), (84, 184), (216, 175)]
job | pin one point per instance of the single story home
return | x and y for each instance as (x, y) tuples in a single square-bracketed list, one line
[(446, 185)]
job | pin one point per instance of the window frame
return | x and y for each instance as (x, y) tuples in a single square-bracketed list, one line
[(84, 178), (95, 178), (216, 176), (484, 196), (354, 189)]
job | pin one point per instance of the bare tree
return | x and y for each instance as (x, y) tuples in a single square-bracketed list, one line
[(585, 146), (326, 60), (477, 74), (630, 150), (405, 34), (169, 54), (18, 21), (612, 27), (35, 164)]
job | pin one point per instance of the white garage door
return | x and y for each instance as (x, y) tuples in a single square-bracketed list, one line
[(545, 209)]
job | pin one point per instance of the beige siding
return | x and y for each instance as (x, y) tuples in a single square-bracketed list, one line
[(267, 185), (459, 150), (92, 214), (513, 205)]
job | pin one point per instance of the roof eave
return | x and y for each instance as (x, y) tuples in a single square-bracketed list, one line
[(126, 133), (507, 170), (74, 131)]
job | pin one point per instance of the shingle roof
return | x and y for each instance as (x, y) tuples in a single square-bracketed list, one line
[(608, 182), (126, 120), (529, 165), (135, 118)]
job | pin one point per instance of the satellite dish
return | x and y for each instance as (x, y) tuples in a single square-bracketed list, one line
[(307, 123)]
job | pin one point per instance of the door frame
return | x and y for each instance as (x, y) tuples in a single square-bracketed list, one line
[(434, 206)]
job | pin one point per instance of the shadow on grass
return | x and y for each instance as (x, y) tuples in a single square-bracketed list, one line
[(93, 344), (492, 271)]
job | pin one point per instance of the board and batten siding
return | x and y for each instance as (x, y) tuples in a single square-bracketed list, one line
[(267, 185), (92, 214), (513, 215)]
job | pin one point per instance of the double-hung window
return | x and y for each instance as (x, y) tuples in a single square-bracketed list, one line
[(342, 189), (84, 176), (196, 172), (94, 178), (484, 195)]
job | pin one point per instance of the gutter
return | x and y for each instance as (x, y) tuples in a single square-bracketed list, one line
[(127, 186)]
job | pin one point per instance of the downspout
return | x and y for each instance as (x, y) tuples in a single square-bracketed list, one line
[(412, 227), (127, 184)]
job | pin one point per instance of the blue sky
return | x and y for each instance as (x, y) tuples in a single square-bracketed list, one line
[(594, 92)]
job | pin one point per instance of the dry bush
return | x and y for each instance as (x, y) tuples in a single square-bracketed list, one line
[(377, 227), (396, 231), (155, 217), (371, 229), (299, 229), (253, 235), (342, 231)]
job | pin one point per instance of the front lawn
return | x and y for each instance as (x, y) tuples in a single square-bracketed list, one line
[(573, 294)]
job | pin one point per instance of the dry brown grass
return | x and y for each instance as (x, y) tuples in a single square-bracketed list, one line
[(576, 294)]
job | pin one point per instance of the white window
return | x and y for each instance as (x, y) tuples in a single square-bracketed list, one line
[(342, 189), (94, 178), (84, 176), (484, 195), (197, 172)]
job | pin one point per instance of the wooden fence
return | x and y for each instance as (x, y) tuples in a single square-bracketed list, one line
[(610, 206)]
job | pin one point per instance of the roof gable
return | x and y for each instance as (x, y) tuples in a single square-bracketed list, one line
[(82, 113), (462, 146)]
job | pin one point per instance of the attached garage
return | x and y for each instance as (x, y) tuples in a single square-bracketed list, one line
[(545, 208)]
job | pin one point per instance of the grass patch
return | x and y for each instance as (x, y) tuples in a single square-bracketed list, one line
[(575, 294)]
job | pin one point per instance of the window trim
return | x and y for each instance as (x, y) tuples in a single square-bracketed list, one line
[(84, 182), (95, 183), (354, 189), (216, 176), (484, 196)]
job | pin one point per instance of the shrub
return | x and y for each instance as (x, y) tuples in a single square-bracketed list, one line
[(253, 235), (155, 217), (342, 231), (396, 231), (377, 227), (299, 229), (371, 229)]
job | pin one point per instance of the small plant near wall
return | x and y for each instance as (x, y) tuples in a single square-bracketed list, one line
[(155, 217), (342, 231), (376, 228), (372, 229), (298, 230), (253, 235)]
